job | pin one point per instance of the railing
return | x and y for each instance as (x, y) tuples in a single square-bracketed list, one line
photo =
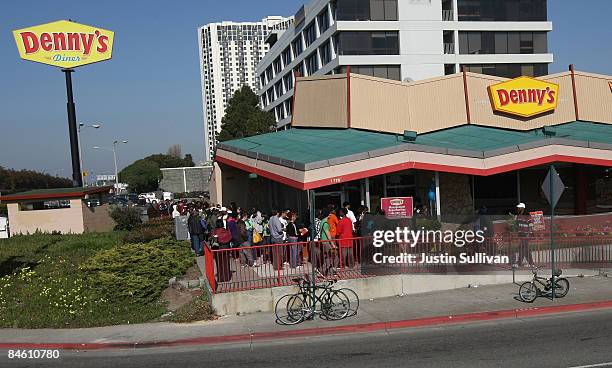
[(233, 269), (449, 48), (447, 15)]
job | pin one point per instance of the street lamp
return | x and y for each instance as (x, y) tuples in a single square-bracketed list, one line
[(114, 151), (81, 127)]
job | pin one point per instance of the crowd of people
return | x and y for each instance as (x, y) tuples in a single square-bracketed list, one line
[(238, 229)]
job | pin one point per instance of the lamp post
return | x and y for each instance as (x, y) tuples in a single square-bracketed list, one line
[(81, 127), (114, 151)]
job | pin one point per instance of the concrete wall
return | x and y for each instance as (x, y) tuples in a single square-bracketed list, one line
[(97, 219), (185, 179), (65, 220)]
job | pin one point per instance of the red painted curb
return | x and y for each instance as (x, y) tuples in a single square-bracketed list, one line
[(364, 327)]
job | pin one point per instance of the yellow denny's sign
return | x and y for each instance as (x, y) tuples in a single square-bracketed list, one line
[(524, 96), (64, 44)]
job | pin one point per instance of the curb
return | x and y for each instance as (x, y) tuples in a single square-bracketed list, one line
[(310, 332)]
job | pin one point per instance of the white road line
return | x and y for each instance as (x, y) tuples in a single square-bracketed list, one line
[(609, 364)]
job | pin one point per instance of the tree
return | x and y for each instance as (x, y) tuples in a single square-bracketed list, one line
[(244, 118), (144, 175), (13, 181), (175, 151)]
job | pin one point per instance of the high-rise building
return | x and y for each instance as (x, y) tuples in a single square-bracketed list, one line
[(404, 40), (229, 53)]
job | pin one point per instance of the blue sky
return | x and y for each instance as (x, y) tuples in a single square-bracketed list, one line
[(149, 93)]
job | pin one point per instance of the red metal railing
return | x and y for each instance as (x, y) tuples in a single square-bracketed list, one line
[(232, 269)]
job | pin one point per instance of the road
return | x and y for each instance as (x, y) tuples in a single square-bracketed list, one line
[(564, 340)]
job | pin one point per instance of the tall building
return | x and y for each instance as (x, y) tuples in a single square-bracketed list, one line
[(229, 53), (404, 40)]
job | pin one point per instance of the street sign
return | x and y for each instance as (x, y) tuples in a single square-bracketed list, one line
[(553, 192)]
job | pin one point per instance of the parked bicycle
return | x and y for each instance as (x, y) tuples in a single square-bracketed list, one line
[(542, 286), (316, 299)]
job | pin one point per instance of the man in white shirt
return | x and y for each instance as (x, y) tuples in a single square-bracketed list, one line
[(350, 213)]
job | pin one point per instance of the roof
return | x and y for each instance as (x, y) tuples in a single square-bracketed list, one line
[(303, 148), (55, 193)]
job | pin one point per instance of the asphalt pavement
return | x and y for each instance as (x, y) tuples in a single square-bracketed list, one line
[(579, 339)]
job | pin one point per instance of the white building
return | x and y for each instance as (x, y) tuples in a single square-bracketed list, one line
[(404, 40), (229, 52)]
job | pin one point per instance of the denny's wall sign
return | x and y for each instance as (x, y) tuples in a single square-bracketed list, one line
[(524, 96), (64, 44)]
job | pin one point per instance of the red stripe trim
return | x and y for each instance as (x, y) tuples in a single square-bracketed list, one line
[(416, 165), (18, 197)]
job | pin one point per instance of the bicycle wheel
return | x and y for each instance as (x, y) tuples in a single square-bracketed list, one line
[(353, 299), (561, 287), (528, 292), (335, 305), (289, 309)]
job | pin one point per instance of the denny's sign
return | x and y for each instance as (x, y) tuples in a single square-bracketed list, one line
[(524, 96), (64, 44)]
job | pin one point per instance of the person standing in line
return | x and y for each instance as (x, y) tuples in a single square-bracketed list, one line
[(292, 239), (242, 239), (333, 221), (221, 238), (345, 242), (350, 214), (276, 237), (196, 232)]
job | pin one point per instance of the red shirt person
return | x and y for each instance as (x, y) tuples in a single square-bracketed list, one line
[(344, 230)]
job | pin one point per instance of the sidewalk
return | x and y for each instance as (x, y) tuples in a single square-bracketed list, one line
[(476, 303)]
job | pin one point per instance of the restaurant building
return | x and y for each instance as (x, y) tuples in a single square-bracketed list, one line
[(455, 144)]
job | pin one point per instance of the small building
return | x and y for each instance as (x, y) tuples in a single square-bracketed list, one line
[(64, 210)]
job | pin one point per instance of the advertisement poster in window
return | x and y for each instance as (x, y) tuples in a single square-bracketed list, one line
[(537, 220), (397, 207)]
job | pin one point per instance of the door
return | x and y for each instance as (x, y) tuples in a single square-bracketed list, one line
[(323, 199)]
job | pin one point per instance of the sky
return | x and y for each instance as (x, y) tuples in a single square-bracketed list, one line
[(149, 93)]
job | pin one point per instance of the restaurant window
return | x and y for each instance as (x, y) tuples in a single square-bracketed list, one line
[(400, 184), (368, 43)]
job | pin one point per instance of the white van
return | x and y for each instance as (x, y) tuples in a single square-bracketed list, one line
[(4, 228)]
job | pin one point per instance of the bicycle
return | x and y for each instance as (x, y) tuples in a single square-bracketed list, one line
[(292, 309), (542, 286)]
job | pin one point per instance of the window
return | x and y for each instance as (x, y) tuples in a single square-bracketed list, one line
[(310, 34), (502, 10), (286, 56), (325, 52), (288, 81), (311, 63), (509, 70), (363, 10), (323, 19), (297, 46), (277, 65), (381, 71), (502, 43), (368, 43), (278, 88), (44, 205)]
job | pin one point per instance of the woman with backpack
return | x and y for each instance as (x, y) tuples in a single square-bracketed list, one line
[(220, 239)]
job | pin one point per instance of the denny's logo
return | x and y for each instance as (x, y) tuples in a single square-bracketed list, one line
[(64, 44), (524, 96)]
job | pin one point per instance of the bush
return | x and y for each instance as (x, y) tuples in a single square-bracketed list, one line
[(198, 309), (154, 229), (137, 273), (428, 223), (126, 218)]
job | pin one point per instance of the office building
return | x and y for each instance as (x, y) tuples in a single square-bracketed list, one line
[(229, 53), (404, 40)]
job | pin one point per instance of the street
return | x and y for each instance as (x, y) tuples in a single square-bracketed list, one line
[(565, 340)]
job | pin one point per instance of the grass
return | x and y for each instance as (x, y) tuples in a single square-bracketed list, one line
[(73, 281), (198, 309)]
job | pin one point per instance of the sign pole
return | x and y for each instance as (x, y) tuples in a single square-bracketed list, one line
[(77, 178), (552, 231)]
